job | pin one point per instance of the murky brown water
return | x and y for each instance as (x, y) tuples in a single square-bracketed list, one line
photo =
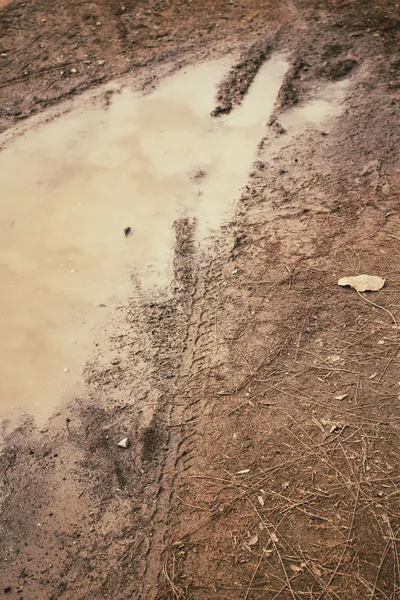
[(70, 188), (326, 104)]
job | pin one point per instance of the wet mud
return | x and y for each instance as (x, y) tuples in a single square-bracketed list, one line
[(259, 398)]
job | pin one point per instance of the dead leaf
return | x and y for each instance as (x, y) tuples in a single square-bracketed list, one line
[(363, 283), (334, 358), (261, 500), (373, 375), (296, 568), (274, 537), (253, 540), (334, 428), (341, 397), (267, 551), (316, 571)]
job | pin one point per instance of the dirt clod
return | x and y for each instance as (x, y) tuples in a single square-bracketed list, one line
[(240, 78)]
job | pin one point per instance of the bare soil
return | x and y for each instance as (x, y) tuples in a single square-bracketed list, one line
[(261, 400)]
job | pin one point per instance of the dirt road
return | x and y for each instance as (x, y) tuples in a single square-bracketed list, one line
[(261, 400)]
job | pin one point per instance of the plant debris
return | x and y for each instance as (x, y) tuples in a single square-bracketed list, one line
[(363, 283)]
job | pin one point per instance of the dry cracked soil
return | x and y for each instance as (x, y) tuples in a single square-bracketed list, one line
[(261, 399)]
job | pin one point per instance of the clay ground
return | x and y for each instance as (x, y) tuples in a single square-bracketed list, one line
[(262, 399)]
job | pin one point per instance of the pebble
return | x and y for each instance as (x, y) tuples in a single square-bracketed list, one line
[(66, 369), (124, 443)]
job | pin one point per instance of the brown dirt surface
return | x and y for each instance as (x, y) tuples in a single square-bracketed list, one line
[(261, 399)]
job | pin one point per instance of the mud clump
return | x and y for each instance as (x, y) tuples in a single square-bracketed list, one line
[(338, 70), (332, 50), (289, 93), (184, 250), (239, 79), (152, 439)]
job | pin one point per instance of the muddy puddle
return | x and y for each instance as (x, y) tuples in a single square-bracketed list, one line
[(326, 104), (71, 188)]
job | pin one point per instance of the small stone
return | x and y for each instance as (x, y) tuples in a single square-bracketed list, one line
[(73, 70), (43, 430), (101, 62), (101, 305), (124, 443), (66, 369)]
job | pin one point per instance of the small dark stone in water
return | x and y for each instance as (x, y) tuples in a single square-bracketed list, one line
[(199, 175), (127, 231)]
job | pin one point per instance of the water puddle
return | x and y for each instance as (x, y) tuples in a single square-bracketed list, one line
[(326, 105), (68, 191)]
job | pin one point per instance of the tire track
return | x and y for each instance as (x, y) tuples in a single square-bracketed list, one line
[(182, 408)]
